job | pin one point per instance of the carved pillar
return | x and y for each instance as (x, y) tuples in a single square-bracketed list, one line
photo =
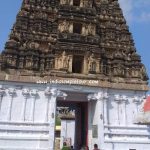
[(2, 93), (85, 65), (42, 61), (98, 66), (34, 94), (121, 100), (100, 96), (105, 96), (71, 2), (70, 63), (81, 3), (71, 27), (48, 95), (21, 60), (51, 95), (28, 62), (137, 101), (12, 93), (118, 101), (26, 94), (124, 101), (56, 62), (35, 64)]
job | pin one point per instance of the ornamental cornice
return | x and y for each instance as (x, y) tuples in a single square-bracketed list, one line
[(34, 93), (55, 92), (2, 91), (26, 92), (98, 96), (138, 99), (120, 98), (12, 91), (101, 84)]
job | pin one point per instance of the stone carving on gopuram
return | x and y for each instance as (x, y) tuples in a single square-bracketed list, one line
[(85, 39)]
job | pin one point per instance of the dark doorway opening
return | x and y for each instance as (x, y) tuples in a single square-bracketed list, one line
[(77, 65), (81, 122), (76, 2), (77, 28), (82, 125)]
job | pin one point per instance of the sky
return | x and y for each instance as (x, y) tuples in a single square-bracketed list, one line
[(136, 12)]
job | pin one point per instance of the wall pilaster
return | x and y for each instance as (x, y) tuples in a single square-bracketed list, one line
[(100, 115), (12, 93), (2, 93), (52, 95), (34, 95)]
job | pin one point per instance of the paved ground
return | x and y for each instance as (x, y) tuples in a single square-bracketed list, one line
[(57, 144)]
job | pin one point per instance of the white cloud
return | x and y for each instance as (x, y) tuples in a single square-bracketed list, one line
[(136, 10)]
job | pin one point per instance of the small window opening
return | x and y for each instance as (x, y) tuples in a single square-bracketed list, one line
[(76, 2), (104, 67), (77, 27), (77, 64)]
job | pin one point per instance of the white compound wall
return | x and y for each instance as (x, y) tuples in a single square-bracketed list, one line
[(27, 117)]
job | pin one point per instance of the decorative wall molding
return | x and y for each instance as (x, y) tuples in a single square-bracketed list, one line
[(2, 91), (52, 94), (138, 100), (55, 92), (98, 96), (33, 113), (26, 92), (12, 91), (120, 98), (34, 93)]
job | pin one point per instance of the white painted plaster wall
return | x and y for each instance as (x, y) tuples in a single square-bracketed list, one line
[(117, 130), (27, 118), (68, 130)]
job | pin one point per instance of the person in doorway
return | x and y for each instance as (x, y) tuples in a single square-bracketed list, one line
[(96, 147), (65, 147), (72, 148), (83, 148)]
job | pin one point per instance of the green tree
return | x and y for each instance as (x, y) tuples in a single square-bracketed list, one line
[(66, 148), (58, 121)]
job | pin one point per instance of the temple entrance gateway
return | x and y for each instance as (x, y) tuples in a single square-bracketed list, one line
[(74, 124), (54, 45)]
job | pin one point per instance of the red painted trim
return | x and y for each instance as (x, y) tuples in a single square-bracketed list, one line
[(147, 105)]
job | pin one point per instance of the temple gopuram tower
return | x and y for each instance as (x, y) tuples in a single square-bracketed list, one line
[(72, 53)]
